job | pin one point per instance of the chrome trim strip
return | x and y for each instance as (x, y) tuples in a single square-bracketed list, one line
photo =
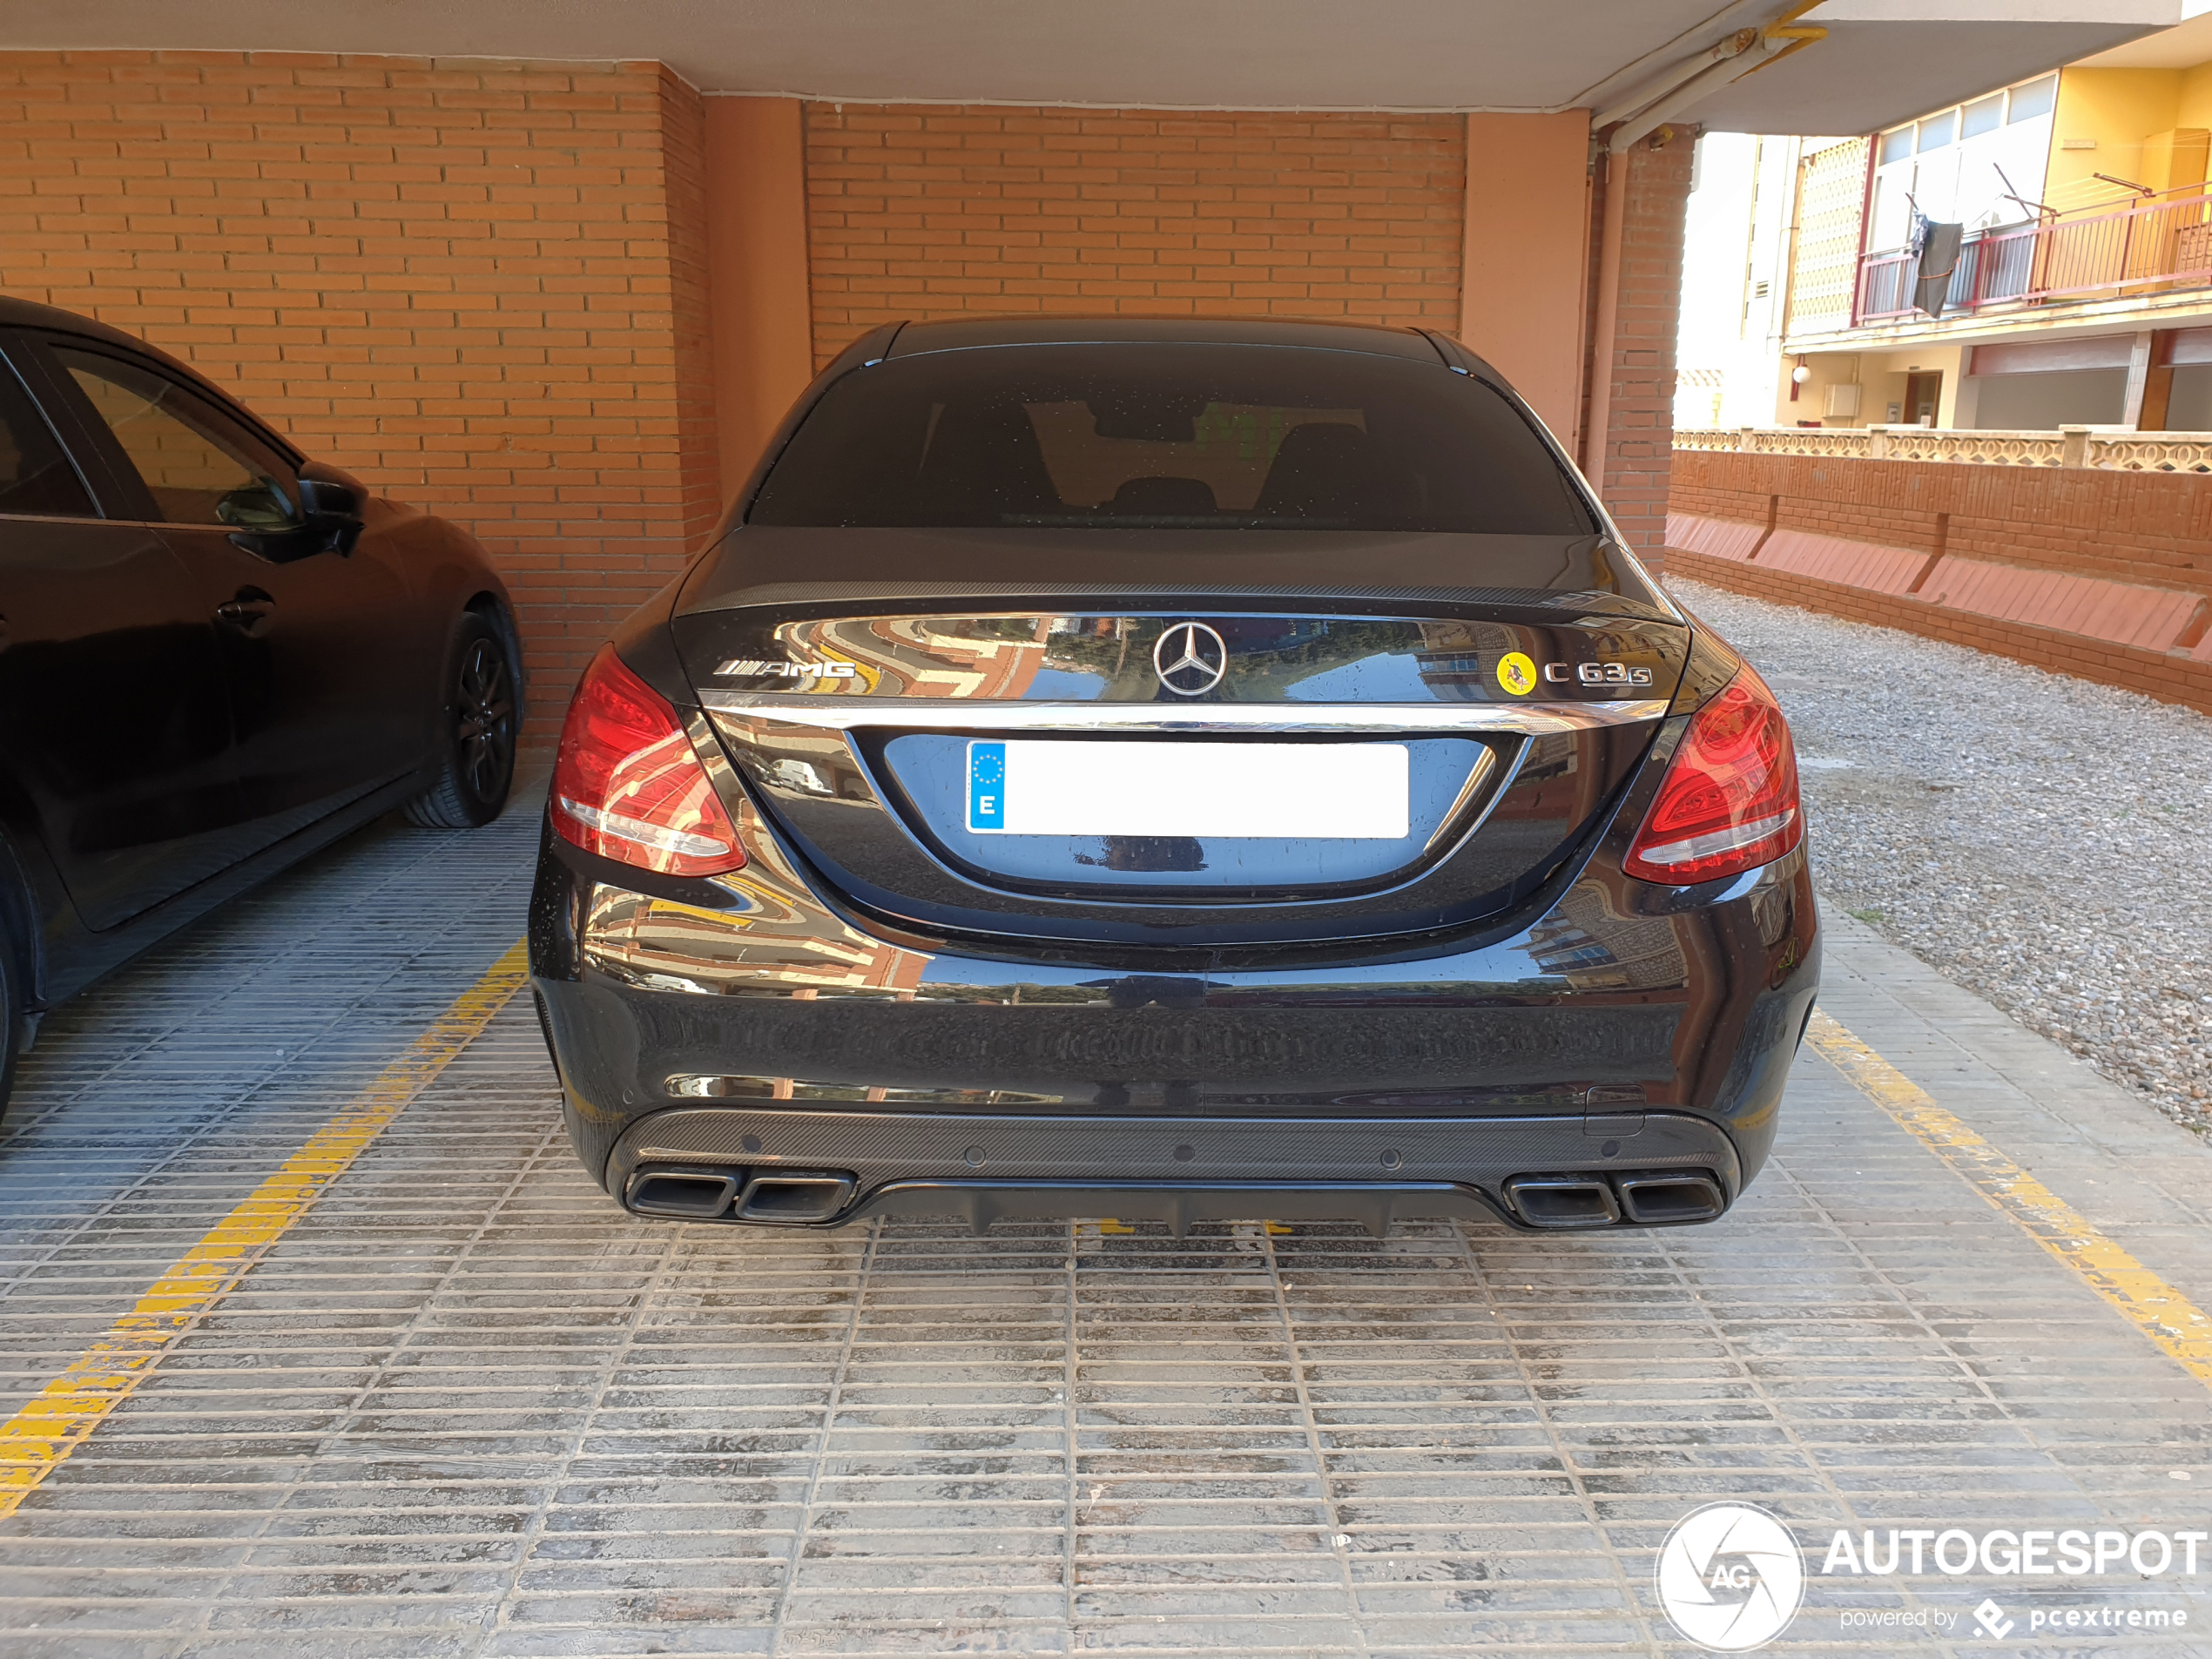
[(845, 713)]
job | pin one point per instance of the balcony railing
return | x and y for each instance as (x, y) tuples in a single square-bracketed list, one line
[(2153, 244), (2071, 446)]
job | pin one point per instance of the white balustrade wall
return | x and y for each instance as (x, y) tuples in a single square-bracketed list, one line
[(2071, 446)]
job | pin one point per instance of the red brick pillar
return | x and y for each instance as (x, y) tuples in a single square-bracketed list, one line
[(1635, 306)]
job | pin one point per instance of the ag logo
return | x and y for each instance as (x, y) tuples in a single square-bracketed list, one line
[(1516, 673), (1731, 1577)]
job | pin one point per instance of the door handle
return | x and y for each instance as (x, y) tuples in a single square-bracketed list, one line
[(245, 612)]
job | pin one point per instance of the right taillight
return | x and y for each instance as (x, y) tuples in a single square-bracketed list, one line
[(627, 785), (1729, 802)]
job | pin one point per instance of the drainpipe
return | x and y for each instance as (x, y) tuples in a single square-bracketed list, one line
[(1608, 315), (1645, 96), (1710, 79), (1636, 117), (1865, 227), (1784, 311), (1741, 54)]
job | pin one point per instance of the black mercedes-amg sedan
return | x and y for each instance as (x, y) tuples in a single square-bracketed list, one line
[(216, 655), (1175, 771)]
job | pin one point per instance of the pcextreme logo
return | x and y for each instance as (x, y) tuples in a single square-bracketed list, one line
[(1731, 1577)]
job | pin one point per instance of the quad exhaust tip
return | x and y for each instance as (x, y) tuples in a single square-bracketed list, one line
[(794, 1197), (1677, 1195), (680, 1195), (776, 1198), (1655, 1198), (1564, 1200)]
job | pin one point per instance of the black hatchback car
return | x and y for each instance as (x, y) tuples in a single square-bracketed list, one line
[(216, 655), (1179, 771)]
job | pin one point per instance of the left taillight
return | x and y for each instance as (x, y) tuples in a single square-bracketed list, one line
[(627, 785), (1729, 802)]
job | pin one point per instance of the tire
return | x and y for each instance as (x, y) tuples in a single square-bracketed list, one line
[(476, 731)]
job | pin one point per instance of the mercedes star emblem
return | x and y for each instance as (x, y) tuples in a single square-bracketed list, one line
[(1191, 658)]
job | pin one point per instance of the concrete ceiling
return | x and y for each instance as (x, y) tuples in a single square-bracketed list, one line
[(1884, 60), (2181, 48), (1873, 71)]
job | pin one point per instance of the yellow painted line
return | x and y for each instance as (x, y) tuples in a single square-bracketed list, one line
[(2148, 1302), (57, 1420)]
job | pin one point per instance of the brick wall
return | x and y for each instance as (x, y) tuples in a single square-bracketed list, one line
[(2166, 676), (918, 211), (479, 285), (2150, 531), (484, 286), (2150, 528)]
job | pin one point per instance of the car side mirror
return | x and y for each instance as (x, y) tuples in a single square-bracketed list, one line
[(330, 503), (333, 507), (327, 520)]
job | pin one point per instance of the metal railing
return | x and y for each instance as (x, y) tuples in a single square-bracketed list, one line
[(2146, 246), (2070, 446)]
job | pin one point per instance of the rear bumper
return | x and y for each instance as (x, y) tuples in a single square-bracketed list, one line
[(748, 1032), (797, 1167)]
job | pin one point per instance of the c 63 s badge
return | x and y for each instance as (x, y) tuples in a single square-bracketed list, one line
[(748, 668), (1597, 674), (1517, 673)]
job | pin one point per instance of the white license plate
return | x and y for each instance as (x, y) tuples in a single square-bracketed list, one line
[(1317, 791)]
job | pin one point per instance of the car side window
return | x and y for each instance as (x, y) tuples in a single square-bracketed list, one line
[(199, 467), (36, 479)]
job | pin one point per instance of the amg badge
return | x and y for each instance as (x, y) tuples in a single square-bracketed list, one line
[(746, 668)]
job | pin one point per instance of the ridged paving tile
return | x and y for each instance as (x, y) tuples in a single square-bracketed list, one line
[(465, 1406)]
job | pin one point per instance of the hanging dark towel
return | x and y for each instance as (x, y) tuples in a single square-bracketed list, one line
[(1937, 246)]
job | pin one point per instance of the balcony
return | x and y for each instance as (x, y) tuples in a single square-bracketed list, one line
[(2154, 245)]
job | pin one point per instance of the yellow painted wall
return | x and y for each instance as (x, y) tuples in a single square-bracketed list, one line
[(1827, 368), (2118, 108), (2195, 109), (1881, 377)]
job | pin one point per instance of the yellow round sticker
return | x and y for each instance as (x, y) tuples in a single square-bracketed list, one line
[(1516, 673)]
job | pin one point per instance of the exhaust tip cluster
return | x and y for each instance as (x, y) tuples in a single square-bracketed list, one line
[(785, 1198), (1656, 1198)]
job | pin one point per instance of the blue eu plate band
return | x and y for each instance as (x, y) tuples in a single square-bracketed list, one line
[(986, 786)]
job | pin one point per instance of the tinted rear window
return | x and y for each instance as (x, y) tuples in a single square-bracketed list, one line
[(36, 478), (1176, 437)]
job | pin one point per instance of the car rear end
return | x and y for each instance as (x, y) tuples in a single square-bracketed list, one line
[(1174, 772)]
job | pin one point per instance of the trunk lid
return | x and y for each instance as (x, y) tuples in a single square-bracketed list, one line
[(1193, 767)]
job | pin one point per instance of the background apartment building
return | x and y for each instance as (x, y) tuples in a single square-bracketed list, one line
[(2081, 292)]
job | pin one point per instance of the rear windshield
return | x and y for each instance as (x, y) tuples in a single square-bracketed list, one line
[(1182, 437)]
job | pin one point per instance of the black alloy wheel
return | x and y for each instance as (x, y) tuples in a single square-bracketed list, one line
[(479, 721)]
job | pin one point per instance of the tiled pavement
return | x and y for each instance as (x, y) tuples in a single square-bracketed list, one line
[(465, 1407)]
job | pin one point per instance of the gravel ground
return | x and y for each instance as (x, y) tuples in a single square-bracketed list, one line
[(2039, 839)]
